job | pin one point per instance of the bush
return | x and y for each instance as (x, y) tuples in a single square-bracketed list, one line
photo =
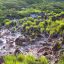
[(28, 11), (61, 60), (55, 27), (9, 59), (30, 28), (20, 57), (30, 59), (7, 23), (43, 60), (24, 59)]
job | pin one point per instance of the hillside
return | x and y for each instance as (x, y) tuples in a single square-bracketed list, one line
[(31, 31), (9, 6), (24, 3)]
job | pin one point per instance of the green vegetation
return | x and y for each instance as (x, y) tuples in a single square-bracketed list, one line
[(32, 18), (7, 22), (31, 28), (20, 8), (56, 27), (61, 60), (24, 59), (43, 60), (35, 27), (28, 11)]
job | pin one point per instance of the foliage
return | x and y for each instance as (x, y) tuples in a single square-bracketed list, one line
[(56, 27), (32, 27), (43, 60), (24, 59), (30, 59), (61, 60), (28, 11), (7, 23)]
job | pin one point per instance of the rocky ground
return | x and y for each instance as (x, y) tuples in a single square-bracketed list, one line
[(13, 43)]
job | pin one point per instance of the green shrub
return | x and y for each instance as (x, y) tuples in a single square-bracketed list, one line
[(7, 23), (9, 59), (55, 27), (28, 11), (30, 59), (20, 57), (24, 59), (61, 60), (43, 60)]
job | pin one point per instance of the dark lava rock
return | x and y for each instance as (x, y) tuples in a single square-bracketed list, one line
[(21, 41), (17, 51), (56, 47), (44, 49), (4, 47), (1, 42), (47, 52), (46, 44), (39, 35), (50, 40), (63, 46), (63, 41), (1, 60)]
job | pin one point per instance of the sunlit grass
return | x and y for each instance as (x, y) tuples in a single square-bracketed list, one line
[(24, 59)]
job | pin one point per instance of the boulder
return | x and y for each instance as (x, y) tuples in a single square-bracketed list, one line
[(45, 51), (1, 42), (1, 60), (50, 40), (21, 41), (56, 47), (17, 51)]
